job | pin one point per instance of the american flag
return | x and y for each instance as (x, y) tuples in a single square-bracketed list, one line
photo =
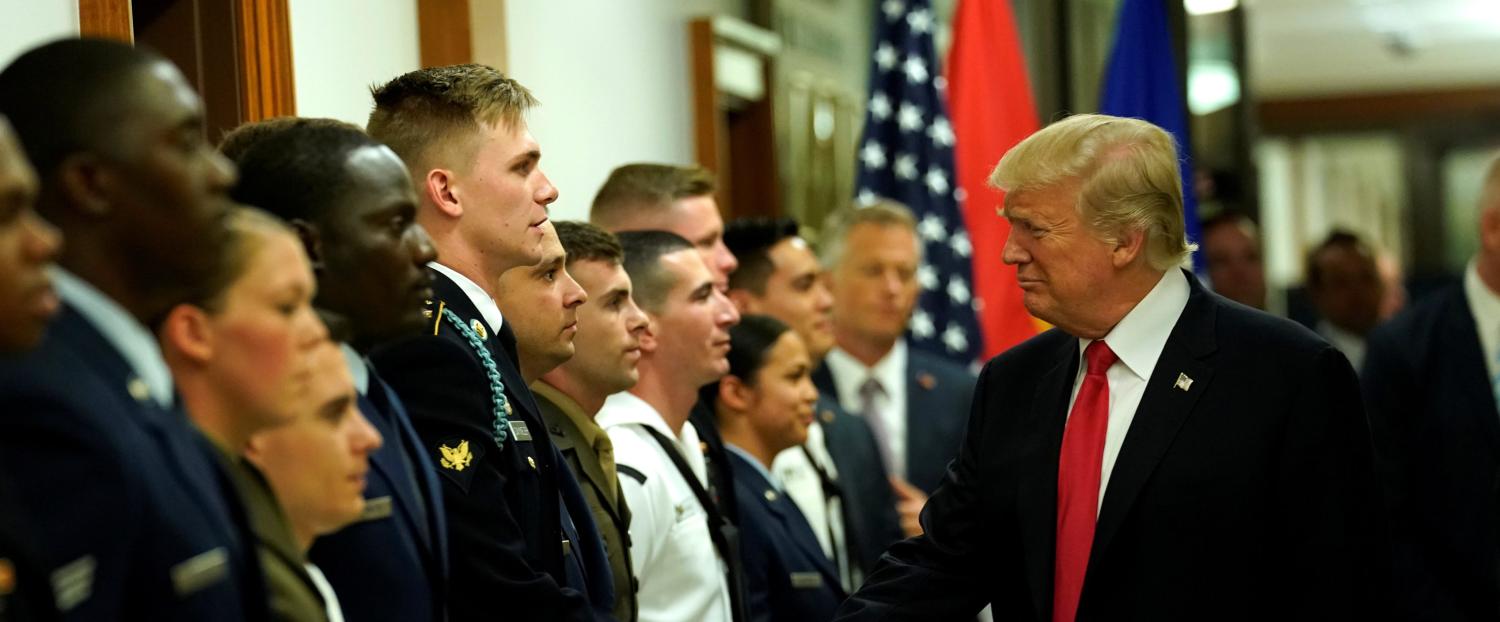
[(907, 155)]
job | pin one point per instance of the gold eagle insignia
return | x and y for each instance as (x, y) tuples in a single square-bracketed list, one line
[(456, 458)]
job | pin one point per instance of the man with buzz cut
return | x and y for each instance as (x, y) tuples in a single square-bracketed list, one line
[(483, 199), (579, 335), (679, 199), (682, 547)]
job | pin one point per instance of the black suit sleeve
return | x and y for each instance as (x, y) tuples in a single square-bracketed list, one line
[(1390, 385), (1329, 516), (939, 575), (491, 575)]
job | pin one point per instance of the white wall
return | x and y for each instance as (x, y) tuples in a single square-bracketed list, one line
[(24, 24), (613, 79), (342, 47)]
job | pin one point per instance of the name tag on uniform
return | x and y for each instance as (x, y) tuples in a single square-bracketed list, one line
[(376, 509), (73, 583), (519, 431), (200, 571), (806, 580)]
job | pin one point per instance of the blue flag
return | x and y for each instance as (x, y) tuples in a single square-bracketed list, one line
[(907, 156), (1142, 82)]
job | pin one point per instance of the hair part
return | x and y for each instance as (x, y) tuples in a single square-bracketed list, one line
[(421, 110), (643, 252), (883, 212), (1128, 174), (585, 242), (750, 240), (634, 191), (295, 168)]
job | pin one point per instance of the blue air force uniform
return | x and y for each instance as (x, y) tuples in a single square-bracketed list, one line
[(787, 576), (393, 563), (129, 511)]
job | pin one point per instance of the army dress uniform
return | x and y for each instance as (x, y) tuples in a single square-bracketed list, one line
[(514, 550), (590, 454)]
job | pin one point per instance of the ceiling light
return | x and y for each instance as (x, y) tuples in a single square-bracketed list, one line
[(1205, 7)]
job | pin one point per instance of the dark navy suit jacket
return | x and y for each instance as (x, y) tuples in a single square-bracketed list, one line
[(124, 498), (871, 524), (787, 576), (1437, 432), (393, 563), (1245, 488), (938, 392), (505, 505)]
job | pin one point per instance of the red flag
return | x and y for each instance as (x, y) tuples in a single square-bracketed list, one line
[(989, 100)]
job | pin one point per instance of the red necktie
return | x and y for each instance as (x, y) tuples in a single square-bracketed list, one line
[(1078, 469)]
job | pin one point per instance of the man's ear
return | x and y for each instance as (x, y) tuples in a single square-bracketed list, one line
[(1128, 246), (186, 335), (86, 183), (440, 187), (735, 394), (312, 242), (648, 336)]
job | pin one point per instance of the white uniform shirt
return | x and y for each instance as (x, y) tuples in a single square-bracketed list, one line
[(681, 575), (1138, 340), (801, 482), (890, 371)]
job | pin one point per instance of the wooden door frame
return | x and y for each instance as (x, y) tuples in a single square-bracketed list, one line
[(262, 48)]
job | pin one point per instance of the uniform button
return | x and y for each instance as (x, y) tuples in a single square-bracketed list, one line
[(531, 461)]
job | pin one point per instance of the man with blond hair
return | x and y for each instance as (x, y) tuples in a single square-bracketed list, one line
[(483, 199), (1161, 454), (1431, 380), (913, 401)]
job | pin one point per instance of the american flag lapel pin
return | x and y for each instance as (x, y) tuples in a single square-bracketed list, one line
[(1183, 382)]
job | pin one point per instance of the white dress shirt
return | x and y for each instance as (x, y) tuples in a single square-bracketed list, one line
[(681, 575), (481, 299), (135, 343), (1484, 303), (800, 479), (890, 405), (325, 589), (1352, 345), (1138, 341)]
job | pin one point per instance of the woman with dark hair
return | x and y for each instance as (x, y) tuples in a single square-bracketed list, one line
[(764, 406)]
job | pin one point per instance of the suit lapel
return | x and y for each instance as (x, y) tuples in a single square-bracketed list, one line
[(1467, 364), (1038, 493), (1164, 407), (390, 465)]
